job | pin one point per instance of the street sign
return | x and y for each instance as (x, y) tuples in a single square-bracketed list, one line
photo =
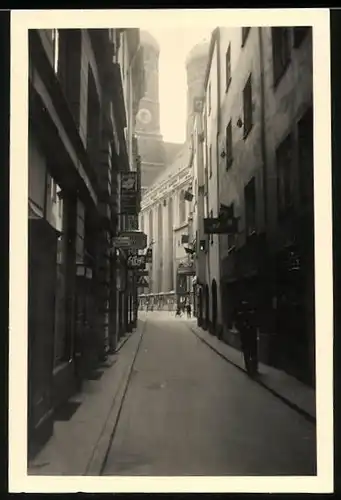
[(221, 225), (122, 242), (136, 261), (142, 282)]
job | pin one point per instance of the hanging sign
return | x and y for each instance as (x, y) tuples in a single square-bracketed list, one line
[(129, 193), (221, 225), (136, 261)]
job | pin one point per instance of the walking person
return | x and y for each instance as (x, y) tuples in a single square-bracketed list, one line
[(247, 325), (189, 311)]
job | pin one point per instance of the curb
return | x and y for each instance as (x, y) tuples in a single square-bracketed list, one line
[(285, 400), (99, 457)]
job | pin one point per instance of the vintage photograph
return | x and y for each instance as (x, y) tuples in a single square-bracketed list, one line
[(171, 325)]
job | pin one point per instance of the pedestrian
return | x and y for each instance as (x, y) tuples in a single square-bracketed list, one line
[(178, 311), (189, 310), (247, 326)]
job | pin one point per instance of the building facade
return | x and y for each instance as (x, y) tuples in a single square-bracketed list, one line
[(77, 148), (258, 167)]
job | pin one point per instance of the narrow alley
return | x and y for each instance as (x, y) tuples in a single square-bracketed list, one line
[(187, 411)]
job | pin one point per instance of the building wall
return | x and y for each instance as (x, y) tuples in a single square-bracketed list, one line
[(285, 103), (247, 154), (211, 115)]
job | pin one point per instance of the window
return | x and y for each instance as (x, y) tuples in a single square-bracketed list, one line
[(300, 32), (247, 105), (306, 156), (284, 167), (229, 156), (280, 52), (210, 160), (142, 223), (211, 235), (250, 207), (228, 67), (245, 34)]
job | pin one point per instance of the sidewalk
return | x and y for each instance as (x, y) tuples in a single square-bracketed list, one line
[(291, 390), (84, 425)]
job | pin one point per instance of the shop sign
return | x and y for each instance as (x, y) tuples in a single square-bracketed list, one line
[(138, 239), (136, 262), (129, 193)]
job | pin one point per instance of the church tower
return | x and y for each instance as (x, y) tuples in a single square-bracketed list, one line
[(150, 141), (196, 63)]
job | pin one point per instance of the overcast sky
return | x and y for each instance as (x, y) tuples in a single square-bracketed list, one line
[(175, 44)]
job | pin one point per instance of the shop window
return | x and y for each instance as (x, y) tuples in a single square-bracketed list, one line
[(60, 326)]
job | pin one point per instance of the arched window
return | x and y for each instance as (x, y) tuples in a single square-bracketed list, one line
[(182, 207)]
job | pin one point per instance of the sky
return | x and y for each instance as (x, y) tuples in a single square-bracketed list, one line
[(175, 44)]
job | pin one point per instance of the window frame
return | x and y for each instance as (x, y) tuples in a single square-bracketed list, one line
[(228, 76), (247, 123), (229, 145)]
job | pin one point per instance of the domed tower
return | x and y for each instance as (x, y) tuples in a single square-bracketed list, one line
[(150, 141), (196, 64)]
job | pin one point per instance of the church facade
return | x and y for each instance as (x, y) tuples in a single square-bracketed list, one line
[(167, 175)]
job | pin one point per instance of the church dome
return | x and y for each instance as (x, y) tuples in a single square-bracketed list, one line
[(199, 51), (148, 40)]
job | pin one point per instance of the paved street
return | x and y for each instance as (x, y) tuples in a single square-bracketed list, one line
[(187, 411)]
